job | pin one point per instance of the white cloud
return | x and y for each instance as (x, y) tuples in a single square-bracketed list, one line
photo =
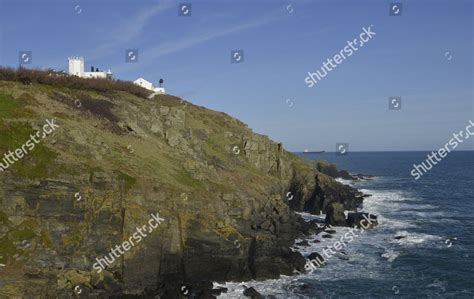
[(121, 34), (190, 41), (130, 29)]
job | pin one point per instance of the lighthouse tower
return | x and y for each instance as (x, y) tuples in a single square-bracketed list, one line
[(76, 66)]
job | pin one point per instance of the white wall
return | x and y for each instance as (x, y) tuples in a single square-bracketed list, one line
[(159, 90), (76, 67), (95, 75), (144, 83)]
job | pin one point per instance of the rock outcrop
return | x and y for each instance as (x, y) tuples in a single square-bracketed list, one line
[(226, 194), (362, 220), (332, 171)]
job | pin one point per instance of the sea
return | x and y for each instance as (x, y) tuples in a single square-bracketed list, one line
[(423, 246)]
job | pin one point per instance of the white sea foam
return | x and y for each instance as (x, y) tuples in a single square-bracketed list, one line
[(345, 182), (441, 285), (390, 255), (359, 260), (284, 287), (405, 238), (308, 217)]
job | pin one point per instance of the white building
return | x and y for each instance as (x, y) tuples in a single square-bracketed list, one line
[(76, 68), (148, 85)]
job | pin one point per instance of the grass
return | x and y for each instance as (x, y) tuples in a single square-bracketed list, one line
[(187, 180), (8, 249), (7, 106), (3, 218), (11, 108), (129, 181), (38, 162), (46, 239), (72, 239)]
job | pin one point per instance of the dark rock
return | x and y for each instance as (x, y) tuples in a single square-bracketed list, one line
[(317, 259), (330, 231), (335, 215), (314, 255), (362, 220), (361, 176), (303, 243), (252, 293), (331, 170), (342, 255), (327, 236), (345, 175), (218, 291), (267, 225)]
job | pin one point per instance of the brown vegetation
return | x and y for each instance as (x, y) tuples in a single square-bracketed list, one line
[(97, 107), (55, 78)]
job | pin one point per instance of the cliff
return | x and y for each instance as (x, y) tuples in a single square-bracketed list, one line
[(226, 194)]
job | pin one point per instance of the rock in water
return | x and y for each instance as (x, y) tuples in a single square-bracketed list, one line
[(316, 260), (335, 215), (252, 293), (362, 220), (303, 243)]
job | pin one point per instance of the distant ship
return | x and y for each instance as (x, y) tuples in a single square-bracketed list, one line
[(306, 151)]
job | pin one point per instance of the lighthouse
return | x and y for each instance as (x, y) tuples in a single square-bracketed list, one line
[(76, 68)]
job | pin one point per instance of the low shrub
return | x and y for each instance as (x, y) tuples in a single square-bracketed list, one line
[(55, 78)]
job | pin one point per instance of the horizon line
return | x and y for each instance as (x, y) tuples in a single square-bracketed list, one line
[(370, 151)]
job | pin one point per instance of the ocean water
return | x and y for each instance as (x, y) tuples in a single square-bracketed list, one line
[(434, 258)]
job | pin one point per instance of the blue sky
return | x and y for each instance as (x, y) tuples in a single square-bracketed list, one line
[(282, 42)]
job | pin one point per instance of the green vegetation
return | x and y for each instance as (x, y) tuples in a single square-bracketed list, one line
[(11, 108), (7, 106), (16, 235), (38, 162), (74, 238), (187, 180), (8, 249), (3, 218), (24, 231), (46, 239), (169, 101), (129, 181)]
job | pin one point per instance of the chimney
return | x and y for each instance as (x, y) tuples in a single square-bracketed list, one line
[(97, 69), (92, 69)]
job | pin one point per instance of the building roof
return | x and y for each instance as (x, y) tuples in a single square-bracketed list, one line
[(142, 80)]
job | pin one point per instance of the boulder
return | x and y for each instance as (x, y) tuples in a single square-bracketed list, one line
[(362, 220), (303, 243), (317, 260), (252, 293), (335, 215)]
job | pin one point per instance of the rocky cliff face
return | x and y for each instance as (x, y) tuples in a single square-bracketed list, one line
[(226, 195)]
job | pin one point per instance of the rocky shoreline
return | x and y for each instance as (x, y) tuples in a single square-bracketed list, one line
[(229, 197), (334, 217)]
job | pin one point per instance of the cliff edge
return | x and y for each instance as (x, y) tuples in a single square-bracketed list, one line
[(226, 195)]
